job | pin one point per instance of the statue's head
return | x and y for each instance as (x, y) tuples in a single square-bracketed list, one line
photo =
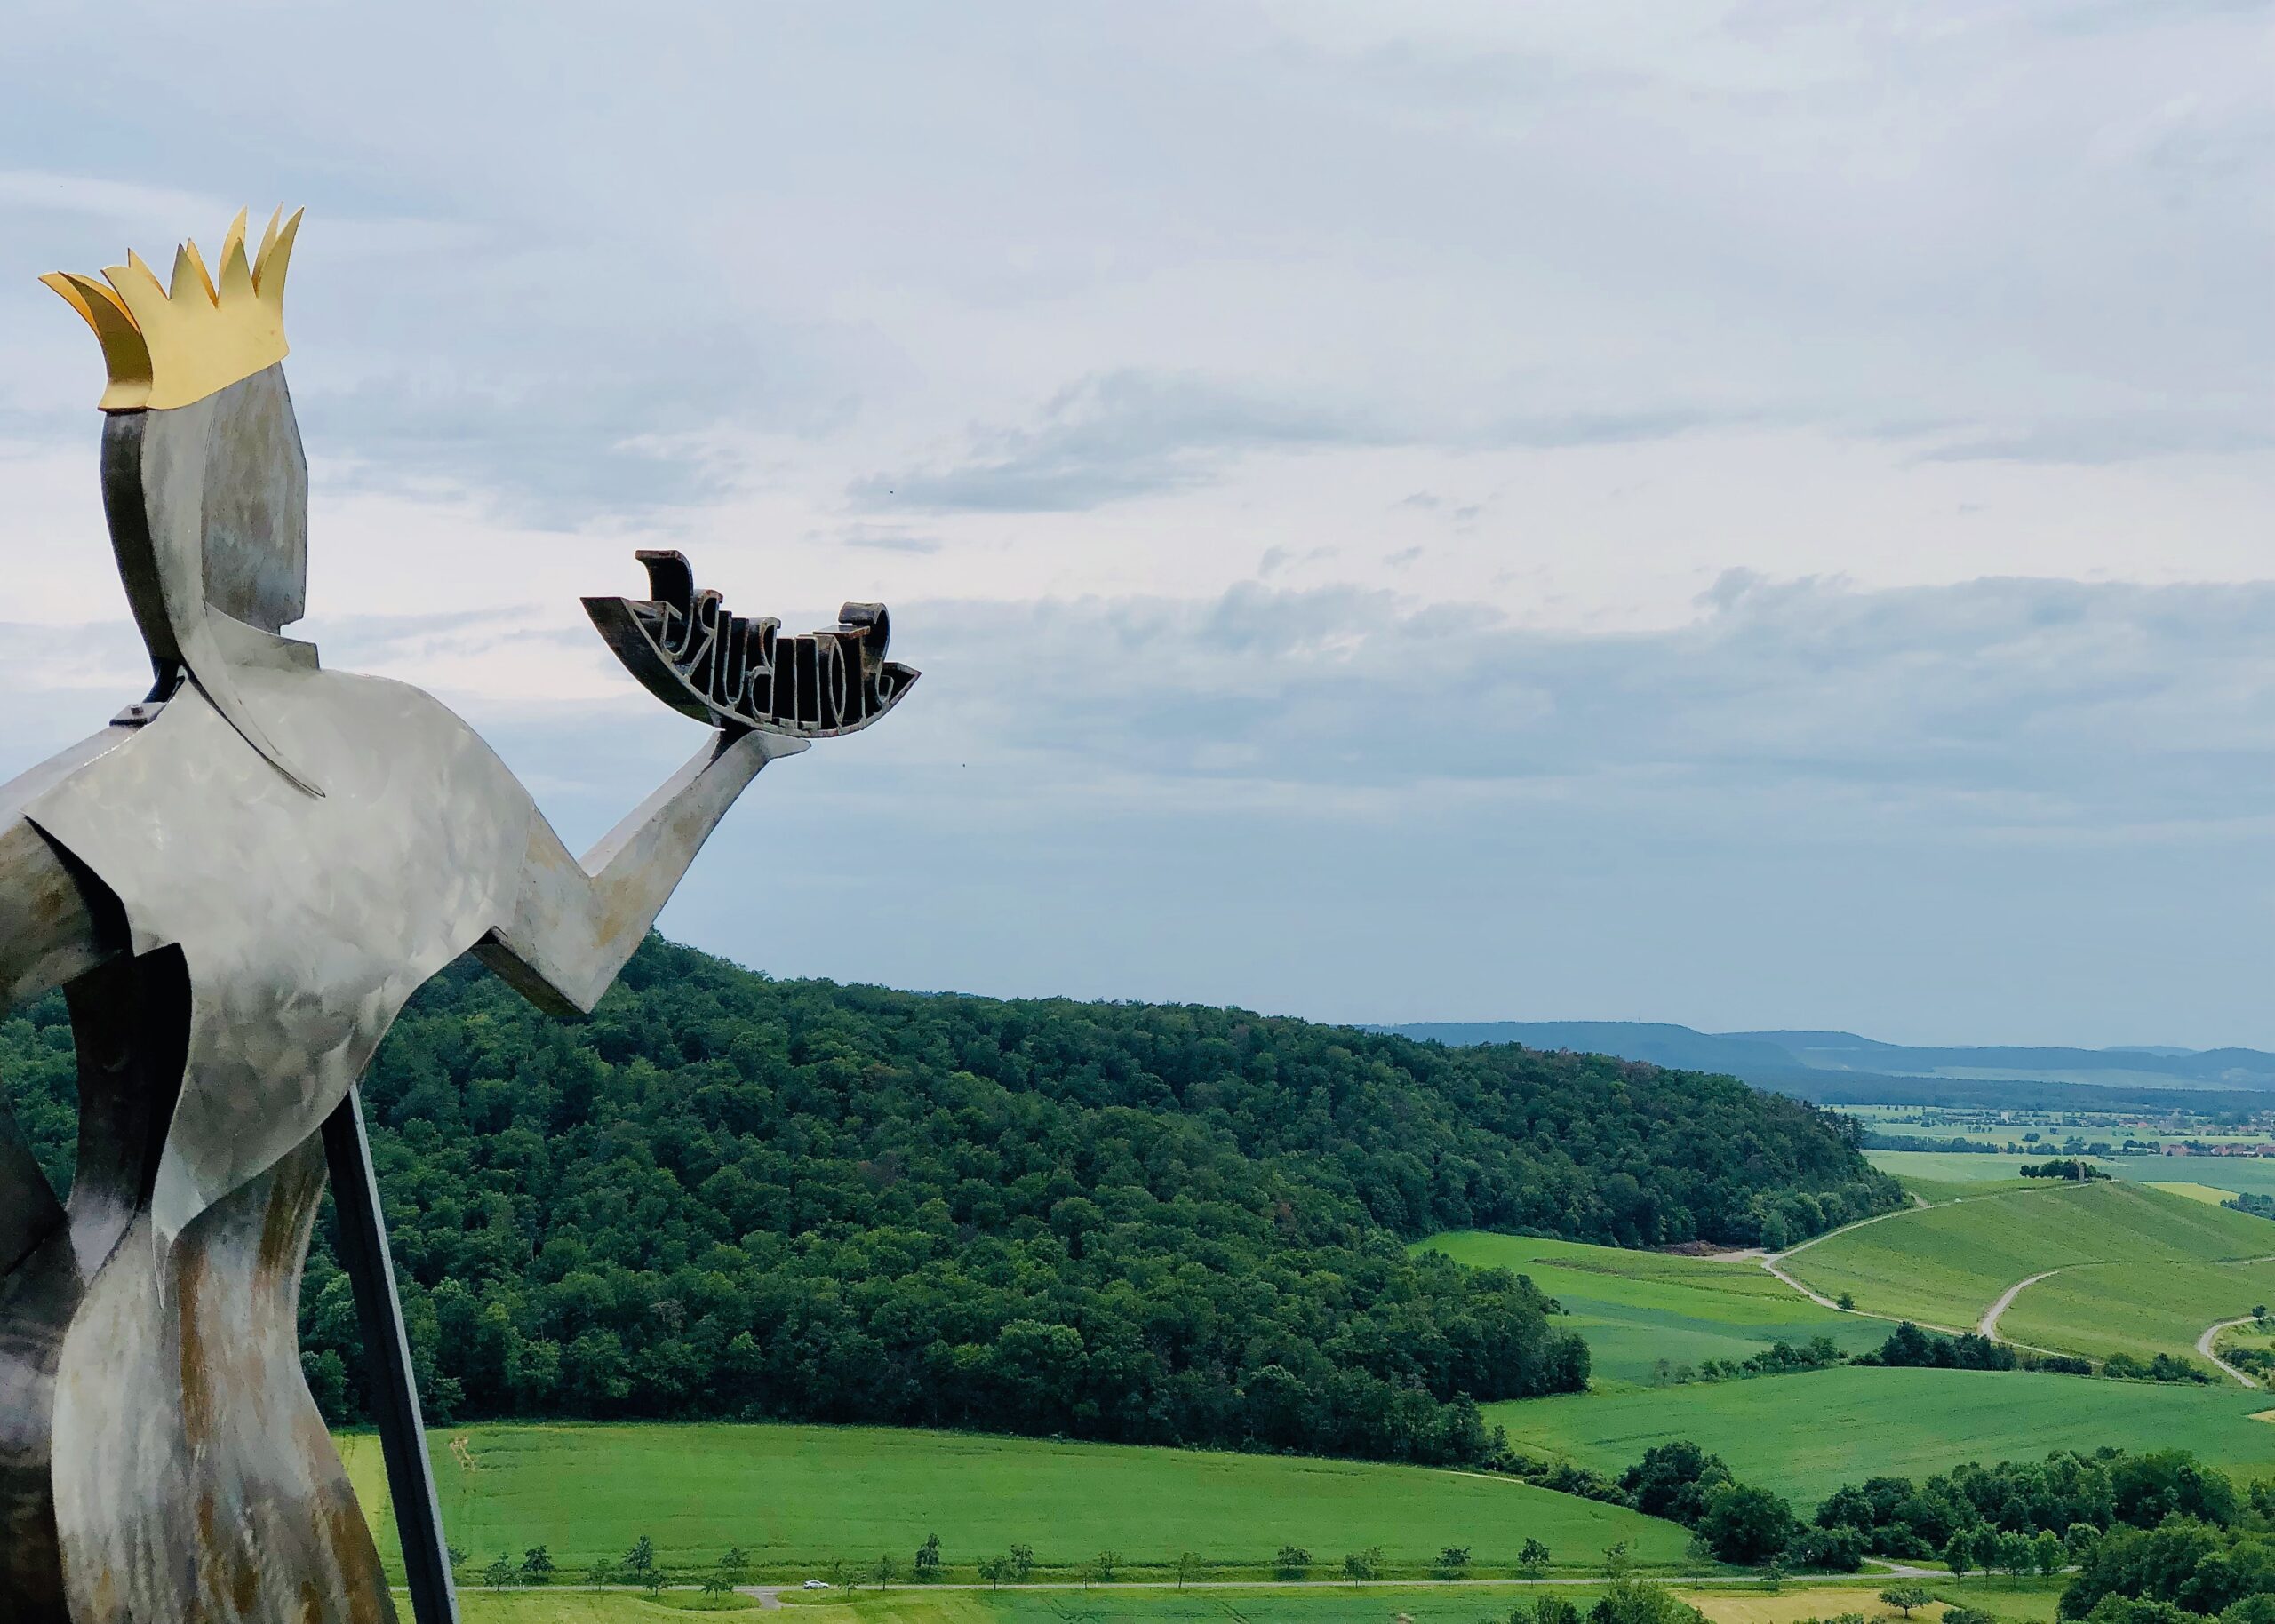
[(204, 483)]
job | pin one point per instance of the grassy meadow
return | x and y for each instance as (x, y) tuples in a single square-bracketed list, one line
[(799, 1497), (1638, 1308), (1946, 1265), (2140, 1309), (2138, 1276), (1806, 1434), (1935, 1192), (2030, 1602)]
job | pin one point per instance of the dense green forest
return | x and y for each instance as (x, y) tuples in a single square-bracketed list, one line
[(728, 1195)]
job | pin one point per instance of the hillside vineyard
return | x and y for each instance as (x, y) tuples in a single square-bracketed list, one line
[(724, 1196)]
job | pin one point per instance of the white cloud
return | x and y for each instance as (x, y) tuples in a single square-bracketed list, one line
[(1495, 338)]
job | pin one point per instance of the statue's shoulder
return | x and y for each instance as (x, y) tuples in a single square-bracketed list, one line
[(362, 738), (380, 733), (23, 793), (385, 701)]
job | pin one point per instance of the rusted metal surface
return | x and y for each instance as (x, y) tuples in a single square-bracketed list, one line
[(239, 884)]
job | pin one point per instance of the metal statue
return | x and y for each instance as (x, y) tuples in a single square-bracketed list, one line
[(237, 884)]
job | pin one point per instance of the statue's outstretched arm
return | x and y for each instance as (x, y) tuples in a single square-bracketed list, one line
[(575, 923)]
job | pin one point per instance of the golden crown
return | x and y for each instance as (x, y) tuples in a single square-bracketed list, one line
[(169, 346)]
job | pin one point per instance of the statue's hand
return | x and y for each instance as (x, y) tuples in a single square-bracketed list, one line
[(690, 652)]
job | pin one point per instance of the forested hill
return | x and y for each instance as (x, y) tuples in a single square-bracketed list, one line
[(724, 1194)]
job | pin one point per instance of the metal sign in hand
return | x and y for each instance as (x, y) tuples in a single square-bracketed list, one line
[(237, 884)]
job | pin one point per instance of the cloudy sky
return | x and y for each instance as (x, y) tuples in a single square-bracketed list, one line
[(1742, 515)]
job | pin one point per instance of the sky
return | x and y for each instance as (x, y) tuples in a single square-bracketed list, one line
[(1753, 515)]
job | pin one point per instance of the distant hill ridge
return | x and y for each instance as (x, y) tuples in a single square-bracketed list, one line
[(1843, 1066)]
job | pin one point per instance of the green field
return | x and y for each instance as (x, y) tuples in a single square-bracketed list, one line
[(1946, 1265), (2196, 1192), (1638, 1308), (2236, 1174), (1939, 1175), (799, 1497), (1806, 1434), (2140, 1309), (2029, 1601)]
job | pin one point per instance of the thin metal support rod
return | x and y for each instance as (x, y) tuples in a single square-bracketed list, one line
[(387, 1350)]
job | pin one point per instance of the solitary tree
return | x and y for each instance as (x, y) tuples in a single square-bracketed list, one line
[(499, 1574), (993, 1570), (1773, 1574), (1534, 1559), (1359, 1566), (640, 1561), (717, 1584), (537, 1566), (1188, 1567), (1022, 1563), (928, 1558), (1906, 1597), (1293, 1562), (884, 1571), (1453, 1562), (1959, 1553), (1617, 1559), (602, 1573), (655, 1580), (735, 1564), (1847, 1300), (1105, 1565)]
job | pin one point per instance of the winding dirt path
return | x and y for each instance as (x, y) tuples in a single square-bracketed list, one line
[(1772, 1261), (2204, 1347), (1900, 1212), (1989, 1325)]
